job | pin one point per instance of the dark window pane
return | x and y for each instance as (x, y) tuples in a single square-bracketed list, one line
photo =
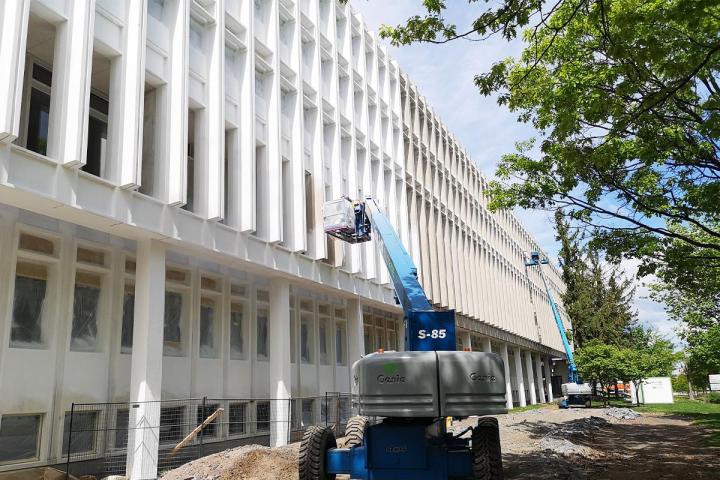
[(19, 435), (263, 416), (121, 428), (27, 311), (237, 418), (207, 334), (97, 135), (85, 310), (82, 435), (172, 424), (236, 335), (211, 429), (99, 104), (173, 315), (262, 334), (42, 75), (38, 121), (128, 321)]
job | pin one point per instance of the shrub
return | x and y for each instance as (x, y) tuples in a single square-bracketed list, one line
[(714, 397)]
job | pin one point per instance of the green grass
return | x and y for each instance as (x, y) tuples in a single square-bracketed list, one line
[(703, 414), (531, 407)]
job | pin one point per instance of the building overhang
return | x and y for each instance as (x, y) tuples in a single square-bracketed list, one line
[(36, 183)]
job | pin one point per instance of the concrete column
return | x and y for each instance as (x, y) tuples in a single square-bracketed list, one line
[(356, 339), (210, 144), (170, 172), (13, 36), (548, 378), (508, 383), (531, 378), (147, 361), (466, 341), (70, 93), (279, 365), (127, 80), (487, 345), (539, 379), (520, 379)]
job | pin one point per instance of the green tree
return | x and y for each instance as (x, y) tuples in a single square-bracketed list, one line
[(626, 99), (600, 363), (597, 299), (680, 383)]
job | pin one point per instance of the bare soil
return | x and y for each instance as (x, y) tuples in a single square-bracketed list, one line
[(549, 443)]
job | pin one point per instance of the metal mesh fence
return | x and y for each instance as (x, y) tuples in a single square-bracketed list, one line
[(98, 436)]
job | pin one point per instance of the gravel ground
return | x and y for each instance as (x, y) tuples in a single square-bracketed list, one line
[(548, 443)]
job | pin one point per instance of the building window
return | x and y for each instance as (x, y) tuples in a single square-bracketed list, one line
[(128, 319), (367, 338), (262, 415), (38, 120), (293, 337), (308, 412), (208, 345), (172, 424), (122, 424), (82, 436), (172, 336), (28, 305), (85, 312), (237, 334), (324, 339), (97, 135), (306, 338), (340, 344), (261, 320), (237, 418), (211, 429), (35, 244), (19, 438)]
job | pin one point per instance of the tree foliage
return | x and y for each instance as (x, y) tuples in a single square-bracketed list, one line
[(606, 363), (626, 98), (597, 298)]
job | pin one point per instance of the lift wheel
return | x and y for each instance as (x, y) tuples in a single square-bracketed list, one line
[(487, 456), (316, 442)]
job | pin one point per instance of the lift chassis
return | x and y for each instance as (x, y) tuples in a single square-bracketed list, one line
[(412, 392)]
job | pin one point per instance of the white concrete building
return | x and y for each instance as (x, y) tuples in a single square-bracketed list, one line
[(163, 165)]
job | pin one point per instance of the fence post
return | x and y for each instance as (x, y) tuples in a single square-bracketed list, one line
[(337, 412), (327, 407), (202, 432), (69, 434), (289, 419)]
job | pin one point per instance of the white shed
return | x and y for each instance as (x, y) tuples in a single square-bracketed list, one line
[(654, 390)]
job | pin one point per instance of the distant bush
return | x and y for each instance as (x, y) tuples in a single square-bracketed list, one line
[(714, 397)]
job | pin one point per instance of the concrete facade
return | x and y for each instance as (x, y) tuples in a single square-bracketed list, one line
[(163, 165)]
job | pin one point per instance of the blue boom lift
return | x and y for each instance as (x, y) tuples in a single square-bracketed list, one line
[(411, 392), (576, 392)]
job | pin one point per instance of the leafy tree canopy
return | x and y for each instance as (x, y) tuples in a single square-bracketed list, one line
[(626, 98)]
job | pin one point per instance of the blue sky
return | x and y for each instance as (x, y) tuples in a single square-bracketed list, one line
[(444, 75)]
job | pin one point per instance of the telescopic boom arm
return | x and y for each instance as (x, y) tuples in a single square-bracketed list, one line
[(425, 329), (535, 260)]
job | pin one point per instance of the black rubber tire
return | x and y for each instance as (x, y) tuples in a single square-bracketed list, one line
[(355, 431), (487, 456), (311, 462)]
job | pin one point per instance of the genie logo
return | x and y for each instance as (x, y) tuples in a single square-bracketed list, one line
[(390, 374), (477, 377)]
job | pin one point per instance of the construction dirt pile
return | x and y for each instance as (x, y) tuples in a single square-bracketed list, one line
[(543, 444), (249, 462)]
